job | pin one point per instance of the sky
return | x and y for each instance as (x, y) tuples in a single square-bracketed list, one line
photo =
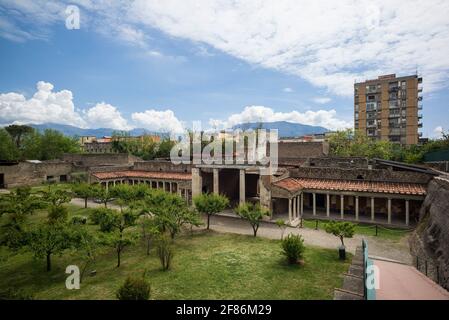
[(160, 65)]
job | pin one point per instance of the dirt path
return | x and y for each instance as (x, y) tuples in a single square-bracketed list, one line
[(377, 247)]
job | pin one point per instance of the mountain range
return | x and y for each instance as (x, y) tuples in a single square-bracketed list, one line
[(285, 129)]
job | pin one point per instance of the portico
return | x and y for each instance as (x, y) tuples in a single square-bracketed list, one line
[(372, 202)]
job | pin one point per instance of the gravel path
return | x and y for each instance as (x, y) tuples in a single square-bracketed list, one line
[(398, 251)]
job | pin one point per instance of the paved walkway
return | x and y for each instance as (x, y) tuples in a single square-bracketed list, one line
[(404, 282), (232, 224)]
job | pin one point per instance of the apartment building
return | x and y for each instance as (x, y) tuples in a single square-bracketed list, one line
[(389, 108)]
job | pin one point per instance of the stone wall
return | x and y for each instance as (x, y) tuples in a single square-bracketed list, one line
[(92, 160), (338, 162), (293, 150), (358, 174), (430, 242), (29, 174), (166, 166)]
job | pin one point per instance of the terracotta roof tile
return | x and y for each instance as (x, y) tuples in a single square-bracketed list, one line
[(296, 184), (142, 174)]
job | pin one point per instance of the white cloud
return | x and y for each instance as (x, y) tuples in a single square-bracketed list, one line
[(328, 43), (287, 90), (44, 106), (321, 100), (104, 115), (438, 132), (324, 118), (163, 121)]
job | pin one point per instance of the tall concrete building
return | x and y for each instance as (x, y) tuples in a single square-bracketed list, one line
[(388, 108)]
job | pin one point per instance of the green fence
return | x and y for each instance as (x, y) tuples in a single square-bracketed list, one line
[(440, 155), (369, 293)]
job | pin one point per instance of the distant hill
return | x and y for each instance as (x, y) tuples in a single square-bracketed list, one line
[(285, 129), (75, 131)]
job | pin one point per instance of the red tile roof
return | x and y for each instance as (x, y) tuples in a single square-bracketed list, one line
[(296, 184), (143, 175)]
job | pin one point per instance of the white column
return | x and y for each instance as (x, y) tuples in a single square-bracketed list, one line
[(357, 208), (389, 211), (216, 181), (113, 182), (302, 204), (314, 203), (289, 209), (342, 206), (328, 204), (170, 187), (197, 182), (372, 209), (407, 212), (294, 208), (298, 206), (242, 186)]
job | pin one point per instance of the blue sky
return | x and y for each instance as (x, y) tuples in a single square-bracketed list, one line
[(161, 66)]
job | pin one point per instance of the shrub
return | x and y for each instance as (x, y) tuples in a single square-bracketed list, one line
[(78, 220), (134, 289), (293, 248), (98, 215), (57, 214), (164, 252)]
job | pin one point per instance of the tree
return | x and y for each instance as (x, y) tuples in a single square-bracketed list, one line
[(55, 198), (17, 206), (47, 239), (87, 243), (54, 144), (164, 252), (253, 213), (340, 229), (282, 225), (17, 132), (8, 150), (114, 225), (149, 230), (85, 191), (210, 204), (104, 195), (170, 212)]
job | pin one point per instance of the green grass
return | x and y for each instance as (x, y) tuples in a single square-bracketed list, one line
[(392, 234), (206, 265)]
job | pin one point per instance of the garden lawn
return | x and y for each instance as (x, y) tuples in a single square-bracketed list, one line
[(206, 265)]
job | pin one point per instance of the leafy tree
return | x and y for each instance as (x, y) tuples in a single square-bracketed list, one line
[(134, 289), (164, 148), (17, 132), (47, 239), (56, 196), (115, 224), (54, 144), (124, 193), (86, 243), (253, 213), (8, 150), (340, 229), (149, 230), (164, 252), (210, 204), (105, 196), (170, 212), (293, 248), (86, 191), (17, 206)]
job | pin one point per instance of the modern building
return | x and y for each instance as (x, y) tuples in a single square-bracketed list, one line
[(388, 108)]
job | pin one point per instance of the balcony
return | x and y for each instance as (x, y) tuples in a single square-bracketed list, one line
[(396, 132), (394, 115), (420, 115), (393, 89)]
